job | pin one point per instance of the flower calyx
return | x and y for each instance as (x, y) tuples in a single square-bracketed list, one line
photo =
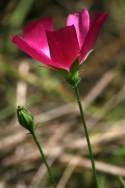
[(25, 118), (72, 77)]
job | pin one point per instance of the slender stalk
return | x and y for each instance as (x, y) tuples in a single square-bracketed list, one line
[(44, 158), (86, 134), (122, 181)]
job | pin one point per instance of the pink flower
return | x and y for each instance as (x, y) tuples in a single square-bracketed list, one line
[(60, 48)]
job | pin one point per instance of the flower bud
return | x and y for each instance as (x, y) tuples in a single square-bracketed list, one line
[(25, 118)]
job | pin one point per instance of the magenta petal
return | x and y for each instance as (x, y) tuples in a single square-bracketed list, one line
[(81, 22), (63, 45), (24, 46), (97, 21), (34, 33), (35, 54)]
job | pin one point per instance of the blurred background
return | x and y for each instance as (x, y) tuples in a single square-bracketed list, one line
[(25, 82)]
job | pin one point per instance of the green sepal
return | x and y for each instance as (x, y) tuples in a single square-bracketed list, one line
[(73, 76), (25, 118)]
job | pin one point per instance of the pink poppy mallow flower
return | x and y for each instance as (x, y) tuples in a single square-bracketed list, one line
[(59, 49)]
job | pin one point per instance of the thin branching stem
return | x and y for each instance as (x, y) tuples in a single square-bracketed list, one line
[(76, 89), (43, 157)]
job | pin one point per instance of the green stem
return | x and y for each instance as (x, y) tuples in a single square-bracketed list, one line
[(122, 181), (43, 158), (86, 134)]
